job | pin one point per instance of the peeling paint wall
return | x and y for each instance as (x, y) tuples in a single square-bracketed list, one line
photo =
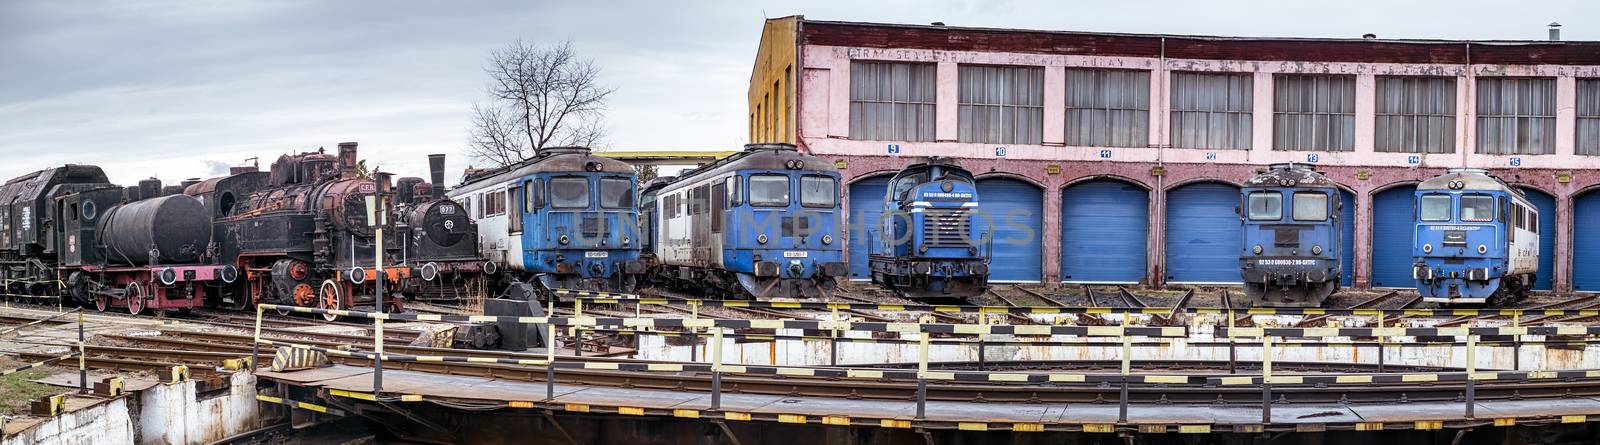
[(104, 424), (1202, 327), (170, 414)]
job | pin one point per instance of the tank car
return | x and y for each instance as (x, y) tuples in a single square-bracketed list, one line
[(564, 219), (1476, 239), (928, 245), (1291, 245), (69, 233), (761, 223)]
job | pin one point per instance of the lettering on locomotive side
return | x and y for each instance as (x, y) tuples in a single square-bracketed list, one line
[(1286, 262), (794, 254), (596, 254), (1462, 228), (946, 196)]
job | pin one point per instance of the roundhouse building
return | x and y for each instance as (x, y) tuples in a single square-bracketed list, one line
[(1115, 158)]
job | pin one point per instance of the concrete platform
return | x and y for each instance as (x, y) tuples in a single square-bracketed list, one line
[(939, 414)]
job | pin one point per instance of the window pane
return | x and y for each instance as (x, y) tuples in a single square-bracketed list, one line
[(1266, 206), (1107, 108), (616, 193), (817, 191), (892, 100), (1211, 110), (1310, 206), (1435, 207), (1588, 139), (1001, 104), (1516, 115), (1311, 112), (569, 192), (1477, 208), (769, 190)]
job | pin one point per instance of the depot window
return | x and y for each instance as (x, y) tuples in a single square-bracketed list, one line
[(1435, 208), (1266, 206), (769, 190), (817, 191), (1310, 206), (569, 192), (1477, 208), (616, 193)]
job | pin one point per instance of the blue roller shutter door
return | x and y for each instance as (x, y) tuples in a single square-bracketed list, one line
[(1203, 234), (1018, 211), (866, 210), (1546, 205), (1347, 244), (1392, 227), (1104, 232), (1585, 242)]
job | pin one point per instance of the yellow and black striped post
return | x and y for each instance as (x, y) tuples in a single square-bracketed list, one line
[(716, 369), (377, 347), (255, 346), (1472, 372), (922, 376), (83, 368), (1127, 366), (1266, 378), (550, 358)]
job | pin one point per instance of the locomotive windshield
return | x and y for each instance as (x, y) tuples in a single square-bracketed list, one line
[(1435, 208), (616, 193), (1266, 206), (817, 191), (769, 190), (908, 182), (569, 192), (1310, 206), (1477, 208)]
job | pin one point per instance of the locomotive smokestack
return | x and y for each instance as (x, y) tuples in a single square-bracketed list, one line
[(149, 188), (347, 160), (436, 173)]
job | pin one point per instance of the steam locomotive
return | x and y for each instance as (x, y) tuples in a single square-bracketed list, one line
[(67, 232)]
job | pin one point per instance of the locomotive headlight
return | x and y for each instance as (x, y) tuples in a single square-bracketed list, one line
[(1483, 249), (827, 239), (924, 249), (169, 276), (563, 240), (1427, 248), (1316, 249), (1257, 249), (947, 186), (762, 238), (625, 240)]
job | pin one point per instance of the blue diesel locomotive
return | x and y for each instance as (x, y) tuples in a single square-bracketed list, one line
[(1476, 239), (1290, 252), (928, 244), (761, 223), (566, 218)]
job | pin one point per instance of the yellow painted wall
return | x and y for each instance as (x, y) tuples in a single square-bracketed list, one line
[(772, 89)]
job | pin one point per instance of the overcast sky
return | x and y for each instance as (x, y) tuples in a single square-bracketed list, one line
[(179, 89)]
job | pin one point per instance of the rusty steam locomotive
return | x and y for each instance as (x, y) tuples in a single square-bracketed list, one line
[(300, 234)]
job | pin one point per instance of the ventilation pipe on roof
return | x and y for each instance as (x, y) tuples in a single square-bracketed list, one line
[(1555, 32), (937, 23), (1369, 36)]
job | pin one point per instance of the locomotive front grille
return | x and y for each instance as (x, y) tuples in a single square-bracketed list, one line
[(1456, 238), (945, 227), (594, 226), (796, 226), (1286, 237)]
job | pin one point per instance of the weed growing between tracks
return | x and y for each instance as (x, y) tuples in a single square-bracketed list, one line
[(17, 389)]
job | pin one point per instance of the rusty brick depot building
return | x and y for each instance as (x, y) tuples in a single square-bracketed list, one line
[(1120, 155)]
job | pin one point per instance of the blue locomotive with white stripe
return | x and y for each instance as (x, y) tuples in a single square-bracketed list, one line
[(1476, 239), (763, 223), (565, 218), (927, 244), (1292, 236)]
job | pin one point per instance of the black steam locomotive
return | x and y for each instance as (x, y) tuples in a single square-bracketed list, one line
[(68, 232), (302, 234)]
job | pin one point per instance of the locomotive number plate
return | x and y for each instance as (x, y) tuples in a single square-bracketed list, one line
[(794, 254), (596, 254), (1287, 262)]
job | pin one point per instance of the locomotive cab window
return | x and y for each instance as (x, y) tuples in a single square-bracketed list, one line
[(1477, 208), (1265, 206), (733, 191), (1310, 206), (1435, 208), (768, 190), (616, 193), (569, 192), (817, 191)]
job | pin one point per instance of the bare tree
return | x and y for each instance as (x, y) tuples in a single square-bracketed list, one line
[(645, 172), (539, 96)]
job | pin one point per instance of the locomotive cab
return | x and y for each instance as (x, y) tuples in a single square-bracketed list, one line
[(1476, 239), (932, 241), (1291, 245)]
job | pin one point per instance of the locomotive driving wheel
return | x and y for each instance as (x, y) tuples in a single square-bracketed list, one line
[(135, 296), (101, 301), (330, 297)]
